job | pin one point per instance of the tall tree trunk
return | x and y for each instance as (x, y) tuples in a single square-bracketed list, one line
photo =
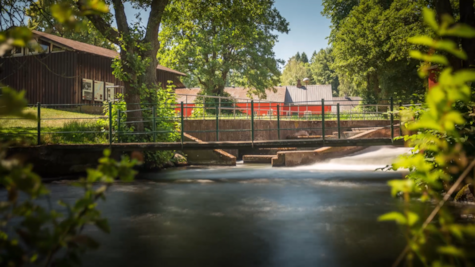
[(150, 39), (444, 7), (467, 16)]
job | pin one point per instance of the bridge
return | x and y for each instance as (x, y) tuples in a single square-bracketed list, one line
[(302, 143)]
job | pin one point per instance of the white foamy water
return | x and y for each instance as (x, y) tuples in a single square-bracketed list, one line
[(368, 159)]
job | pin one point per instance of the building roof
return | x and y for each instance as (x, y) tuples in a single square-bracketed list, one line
[(88, 48), (281, 94), (309, 93), (277, 94)]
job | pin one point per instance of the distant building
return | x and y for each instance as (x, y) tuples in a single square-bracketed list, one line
[(67, 72), (292, 100)]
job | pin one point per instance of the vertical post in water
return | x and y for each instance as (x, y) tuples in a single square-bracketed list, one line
[(38, 141), (154, 125), (119, 114), (392, 118), (217, 122), (110, 123), (252, 120), (278, 122), (338, 119), (323, 120), (182, 126)]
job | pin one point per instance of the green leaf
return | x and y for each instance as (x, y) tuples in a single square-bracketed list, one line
[(451, 250), (459, 30), (393, 216), (412, 218), (429, 18), (429, 58), (464, 76)]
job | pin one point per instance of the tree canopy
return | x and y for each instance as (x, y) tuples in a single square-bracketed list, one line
[(217, 40), (322, 70), (294, 70), (40, 17)]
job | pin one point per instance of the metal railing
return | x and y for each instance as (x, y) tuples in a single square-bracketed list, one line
[(76, 122)]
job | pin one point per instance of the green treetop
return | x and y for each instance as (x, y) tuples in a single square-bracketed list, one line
[(213, 39), (304, 58), (293, 71)]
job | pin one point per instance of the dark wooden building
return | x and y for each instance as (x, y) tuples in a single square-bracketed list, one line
[(67, 72)]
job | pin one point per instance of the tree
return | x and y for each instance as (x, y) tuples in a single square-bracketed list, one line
[(138, 45), (298, 57), (322, 69), (41, 18), (212, 39), (293, 71), (370, 47), (304, 58)]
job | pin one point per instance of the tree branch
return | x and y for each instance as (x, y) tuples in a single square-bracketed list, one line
[(103, 27), (151, 36)]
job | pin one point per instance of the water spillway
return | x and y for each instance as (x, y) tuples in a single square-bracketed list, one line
[(251, 215)]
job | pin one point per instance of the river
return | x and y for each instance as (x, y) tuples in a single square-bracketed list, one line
[(251, 215)]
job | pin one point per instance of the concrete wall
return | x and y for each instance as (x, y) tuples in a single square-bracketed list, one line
[(208, 157), (306, 157), (267, 129)]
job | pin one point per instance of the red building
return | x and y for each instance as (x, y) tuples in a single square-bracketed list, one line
[(292, 100)]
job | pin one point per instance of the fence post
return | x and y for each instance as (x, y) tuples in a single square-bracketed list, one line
[(400, 120), (217, 122), (182, 126), (338, 119), (392, 118), (252, 120), (278, 122), (38, 141), (110, 123), (153, 124), (119, 115), (219, 105), (323, 120)]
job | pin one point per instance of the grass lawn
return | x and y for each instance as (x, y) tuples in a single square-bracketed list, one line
[(52, 118)]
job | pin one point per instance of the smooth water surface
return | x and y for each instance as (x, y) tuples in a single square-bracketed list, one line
[(249, 216)]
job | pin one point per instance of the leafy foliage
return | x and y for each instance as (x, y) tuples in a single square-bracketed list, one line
[(439, 135), (31, 234), (50, 16), (322, 69), (213, 40), (369, 46), (293, 71)]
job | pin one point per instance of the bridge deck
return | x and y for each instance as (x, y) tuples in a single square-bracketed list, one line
[(301, 143)]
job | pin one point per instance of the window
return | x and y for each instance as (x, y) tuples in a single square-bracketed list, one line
[(17, 51), (38, 47), (56, 48)]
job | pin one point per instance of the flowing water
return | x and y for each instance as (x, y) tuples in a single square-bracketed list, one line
[(321, 215)]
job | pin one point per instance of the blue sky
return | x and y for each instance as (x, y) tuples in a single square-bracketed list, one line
[(308, 28)]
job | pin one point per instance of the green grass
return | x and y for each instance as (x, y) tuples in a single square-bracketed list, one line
[(49, 118)]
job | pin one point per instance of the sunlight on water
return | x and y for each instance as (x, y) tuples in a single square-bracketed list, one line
[(367, 159)]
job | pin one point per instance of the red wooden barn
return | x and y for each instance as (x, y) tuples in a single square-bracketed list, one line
[(292, 100)]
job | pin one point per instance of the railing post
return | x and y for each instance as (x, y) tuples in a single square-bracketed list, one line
[(252, 120), (38, 138), (119, 116), (323, 120), (278, 122), (338, 119), (110, 123), (182, 126), (217, 123), (392, 118), (400, 121), (153, 124)]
